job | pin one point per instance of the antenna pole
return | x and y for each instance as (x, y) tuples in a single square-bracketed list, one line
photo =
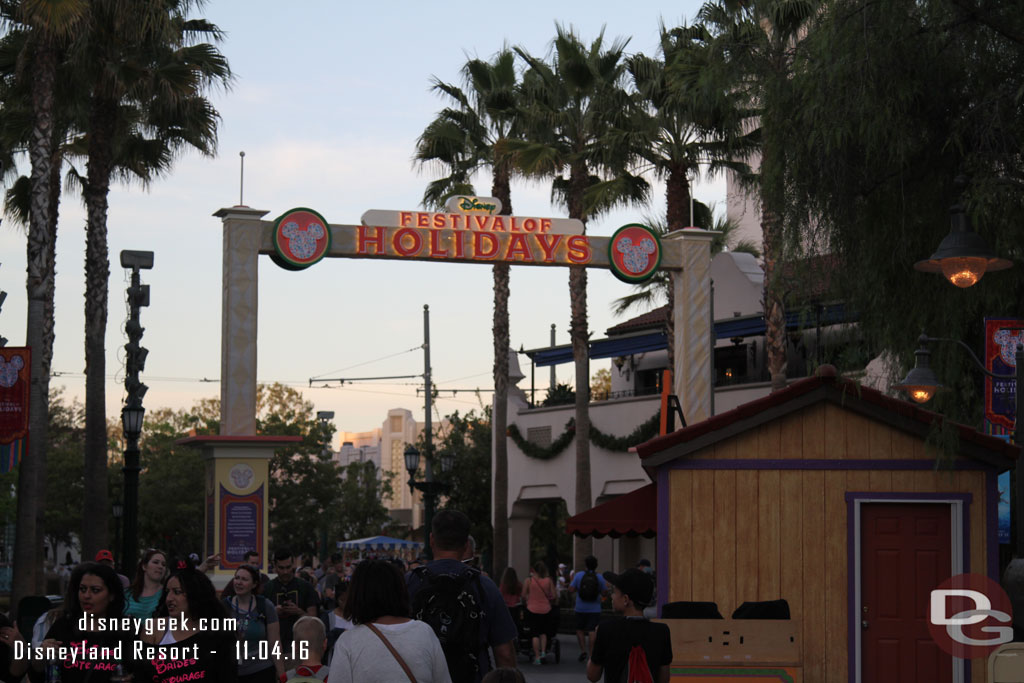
[(241, 177)]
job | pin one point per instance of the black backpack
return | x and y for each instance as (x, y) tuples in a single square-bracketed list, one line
[(450, 605), (590, 589)]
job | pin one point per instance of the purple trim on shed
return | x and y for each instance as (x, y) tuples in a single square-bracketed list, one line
[(663, 536), (821, 464), (852, 498), (851, 594)]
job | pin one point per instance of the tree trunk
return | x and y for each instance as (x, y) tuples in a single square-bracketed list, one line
[(581, 360), (677, 199), (39, 286), (499, 420), (95, 505), (774, 310)]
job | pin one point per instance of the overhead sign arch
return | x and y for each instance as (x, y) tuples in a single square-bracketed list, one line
[(300, 238)]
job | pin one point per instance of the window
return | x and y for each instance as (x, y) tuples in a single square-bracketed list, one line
[(539, 436)]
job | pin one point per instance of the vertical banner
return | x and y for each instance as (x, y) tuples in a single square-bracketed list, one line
[(241, 525), (1003, 482), (15, 368), (1001, 337)]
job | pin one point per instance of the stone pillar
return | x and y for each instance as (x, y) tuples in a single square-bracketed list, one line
[(237, 497), (691, 377), (243, 234), (519, 537)]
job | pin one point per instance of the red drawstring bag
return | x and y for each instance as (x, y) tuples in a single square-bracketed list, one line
[(637, 670)]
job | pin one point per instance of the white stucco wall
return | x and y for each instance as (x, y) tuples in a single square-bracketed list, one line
[(744, 208), (533, 481)]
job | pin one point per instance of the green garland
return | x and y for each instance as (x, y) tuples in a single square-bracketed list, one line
[(648, 430)]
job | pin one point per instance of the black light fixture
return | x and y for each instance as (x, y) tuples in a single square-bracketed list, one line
[(117, 508), (963, 257), (412, 459), (921, 383), (447, 461), (131, 421)]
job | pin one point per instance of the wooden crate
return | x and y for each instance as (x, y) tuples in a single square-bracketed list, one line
[(726, 650)]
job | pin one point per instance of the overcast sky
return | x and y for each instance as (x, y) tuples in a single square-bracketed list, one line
[(327, 104)]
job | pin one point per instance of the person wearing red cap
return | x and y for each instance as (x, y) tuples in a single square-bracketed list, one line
[(632, 590), (106, 557)]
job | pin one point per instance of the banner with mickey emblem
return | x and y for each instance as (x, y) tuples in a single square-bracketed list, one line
[(634, 253), (15, 368), (1001, 338)]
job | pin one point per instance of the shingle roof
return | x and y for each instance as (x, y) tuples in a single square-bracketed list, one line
[(843, 392)]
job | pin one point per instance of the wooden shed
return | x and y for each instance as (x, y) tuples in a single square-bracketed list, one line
[(825, 494)]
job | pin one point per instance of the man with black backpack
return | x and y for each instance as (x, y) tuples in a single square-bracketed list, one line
[(631, 649), (464, 607), (589, 586)]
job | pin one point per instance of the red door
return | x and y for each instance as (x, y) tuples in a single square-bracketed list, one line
[(905, 553)]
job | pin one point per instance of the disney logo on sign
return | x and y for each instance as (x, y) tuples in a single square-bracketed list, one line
[(464, 204)]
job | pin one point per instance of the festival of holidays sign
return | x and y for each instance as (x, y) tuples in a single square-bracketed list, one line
[(473, 232)]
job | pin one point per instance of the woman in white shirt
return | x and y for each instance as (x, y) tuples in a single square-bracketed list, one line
[(378, 605)]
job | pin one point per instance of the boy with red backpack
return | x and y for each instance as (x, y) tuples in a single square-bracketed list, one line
[(631, 648)]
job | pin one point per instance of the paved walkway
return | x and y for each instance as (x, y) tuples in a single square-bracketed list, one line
[(568, 670)]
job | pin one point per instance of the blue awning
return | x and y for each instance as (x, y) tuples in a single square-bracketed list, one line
[(601, 348), (729, 328), (379, 543)]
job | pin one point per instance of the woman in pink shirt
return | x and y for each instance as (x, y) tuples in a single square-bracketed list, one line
[(539, 594), (511, 589)]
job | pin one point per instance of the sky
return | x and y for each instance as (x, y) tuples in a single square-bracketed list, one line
[(327, 103)]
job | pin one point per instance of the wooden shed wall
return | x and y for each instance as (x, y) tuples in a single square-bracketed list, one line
[(762, 534)]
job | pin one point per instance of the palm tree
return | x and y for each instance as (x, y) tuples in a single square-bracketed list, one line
[(754, 44), (469, 135), (148, 73), (573, 105), (49, 25), (683, 124)]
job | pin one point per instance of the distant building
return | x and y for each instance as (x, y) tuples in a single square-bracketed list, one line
[(350, 453), (385, 447)]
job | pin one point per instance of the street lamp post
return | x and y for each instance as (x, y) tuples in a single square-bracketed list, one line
[(432, 490), (117, 508), (132, 414)]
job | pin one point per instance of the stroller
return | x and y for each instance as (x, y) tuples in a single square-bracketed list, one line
[(524, 641)]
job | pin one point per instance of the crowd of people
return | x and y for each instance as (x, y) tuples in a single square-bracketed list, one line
[(387, 620)]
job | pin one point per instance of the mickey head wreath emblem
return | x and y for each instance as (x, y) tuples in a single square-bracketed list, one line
[(1007, 341), (634, 253), (301, 238), (9, 371)]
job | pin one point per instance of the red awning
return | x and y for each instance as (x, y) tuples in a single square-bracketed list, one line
[(632, 514)]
